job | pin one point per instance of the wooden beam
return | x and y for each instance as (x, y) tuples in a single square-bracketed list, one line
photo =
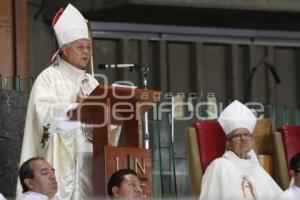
[(6, 43), (21, 39)]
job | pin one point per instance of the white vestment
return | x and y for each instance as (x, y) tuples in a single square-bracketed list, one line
[(232, 178), (293, 193), (69, 152)]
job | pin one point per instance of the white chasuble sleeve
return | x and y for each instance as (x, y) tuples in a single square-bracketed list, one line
[(49, 108), (51, 97), (217, 182)]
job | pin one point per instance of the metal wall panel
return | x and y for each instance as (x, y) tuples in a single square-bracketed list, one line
[(285, 63), (258, 86), (214, 70), (121, 51), (105, 51), (204, 67), (6, 43), (42, 43), (178, 59)]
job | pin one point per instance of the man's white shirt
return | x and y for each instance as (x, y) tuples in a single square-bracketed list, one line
[(2, 197), (293, 193), (35, 196)]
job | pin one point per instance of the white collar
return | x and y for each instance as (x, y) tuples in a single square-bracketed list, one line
[(296, 190), (71, 71), (35, 195), (230, 155), (246, 165)]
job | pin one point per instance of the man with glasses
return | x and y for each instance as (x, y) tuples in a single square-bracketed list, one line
[(125, 184), (237, 174), (293, 193)]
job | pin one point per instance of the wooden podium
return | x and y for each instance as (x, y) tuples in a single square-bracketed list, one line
[(108, 105)]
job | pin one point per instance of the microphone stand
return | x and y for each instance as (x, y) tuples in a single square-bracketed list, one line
[(273, 72), (247, 90), (145, 71), (264, 62)]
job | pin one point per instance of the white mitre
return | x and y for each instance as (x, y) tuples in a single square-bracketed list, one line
[(69, 25), (237, 115)]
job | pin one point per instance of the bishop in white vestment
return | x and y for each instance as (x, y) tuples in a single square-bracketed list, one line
[(48, 131), (237, 175)]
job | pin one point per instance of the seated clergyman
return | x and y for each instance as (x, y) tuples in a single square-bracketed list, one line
[(237, 175), (293, 193), (125, 184)]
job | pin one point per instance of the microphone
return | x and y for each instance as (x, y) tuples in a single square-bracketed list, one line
[(248, 86), (106, 66), (273, 71)]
